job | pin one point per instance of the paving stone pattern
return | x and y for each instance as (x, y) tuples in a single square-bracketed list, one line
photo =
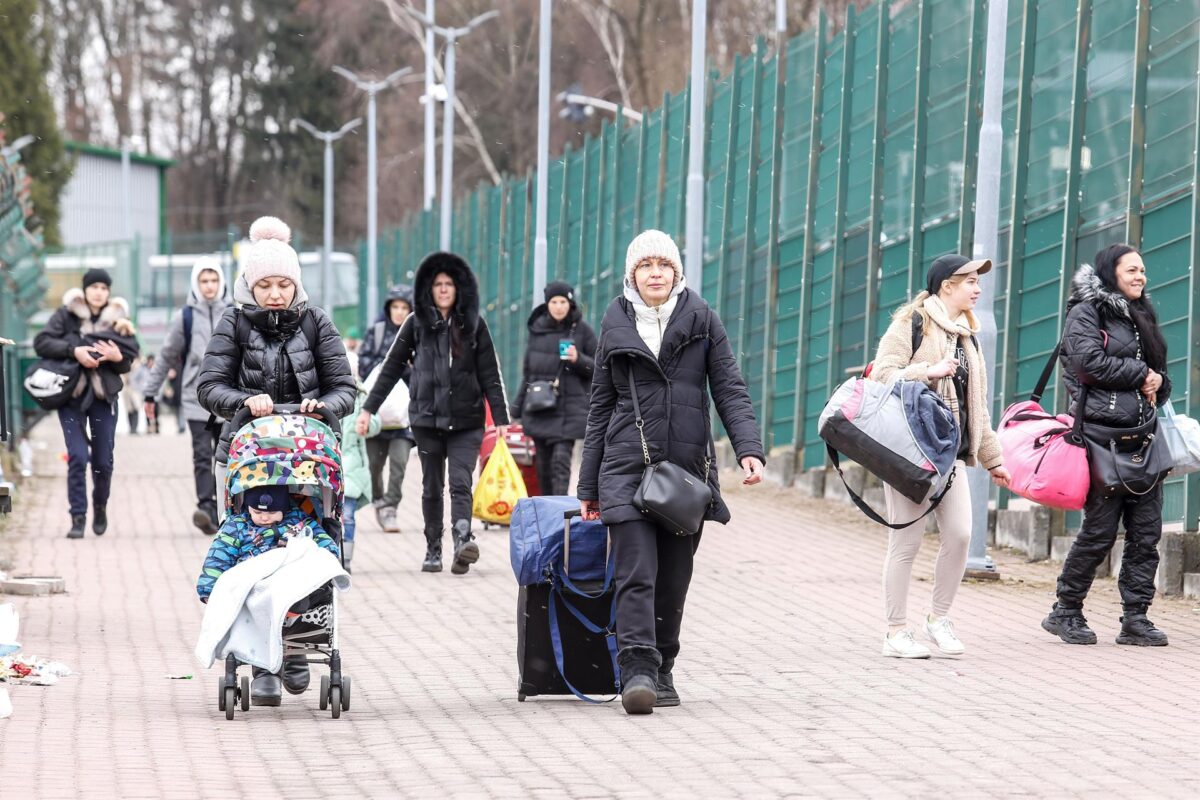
[(784, 690)]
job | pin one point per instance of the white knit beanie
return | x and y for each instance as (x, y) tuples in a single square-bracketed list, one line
[(269, 254), (652, 243)]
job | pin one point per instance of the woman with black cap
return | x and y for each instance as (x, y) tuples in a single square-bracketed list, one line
[(1112, 346), (944, 354), (558, 364), (93, 328)]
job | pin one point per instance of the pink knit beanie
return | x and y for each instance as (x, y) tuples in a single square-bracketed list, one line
[(269, 254)]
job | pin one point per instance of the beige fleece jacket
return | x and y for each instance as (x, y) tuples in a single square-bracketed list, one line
[(895, 359)]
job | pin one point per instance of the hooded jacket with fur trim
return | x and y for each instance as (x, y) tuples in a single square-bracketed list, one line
[(454, 364), (205, 316), (270, 353), (1101, 350), (74, 325)]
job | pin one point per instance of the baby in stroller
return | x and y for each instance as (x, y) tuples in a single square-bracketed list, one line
[(267, 520)]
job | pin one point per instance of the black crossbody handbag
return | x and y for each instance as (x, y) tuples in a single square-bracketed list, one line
[(542, 396), (674, 498), (1124, 461)]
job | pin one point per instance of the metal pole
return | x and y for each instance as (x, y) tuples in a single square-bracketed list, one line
[(372, 198), (543, 153), (694, 252), (986, 237), (327, 250), (448, 148), (126, 190), (430, 120)]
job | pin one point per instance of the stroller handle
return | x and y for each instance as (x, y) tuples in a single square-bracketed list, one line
[(244, 415)]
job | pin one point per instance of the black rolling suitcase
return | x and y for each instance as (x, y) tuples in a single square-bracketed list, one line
[(566, 640)]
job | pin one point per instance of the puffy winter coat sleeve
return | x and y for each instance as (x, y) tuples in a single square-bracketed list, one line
[(338, 390), (600, 411), (586, 348), (1083, 343), (487, 368), (730, 394), (1164, 391), (225, 551), (55, 340), (894, 357), (217, 388), (395, 365), (310, 527), (169, 357)]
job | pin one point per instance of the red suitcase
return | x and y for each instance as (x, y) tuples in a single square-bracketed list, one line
[(521, 447)]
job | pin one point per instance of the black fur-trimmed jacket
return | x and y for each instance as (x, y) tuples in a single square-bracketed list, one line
[(1101, 350), (673, 392), (454, 364)]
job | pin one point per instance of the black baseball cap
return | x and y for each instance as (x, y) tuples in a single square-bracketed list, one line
[(944, 267)]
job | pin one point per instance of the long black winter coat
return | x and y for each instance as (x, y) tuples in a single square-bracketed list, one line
[(673, 391), (568, 419), (1101, 350), (272, 355), (454, 365)]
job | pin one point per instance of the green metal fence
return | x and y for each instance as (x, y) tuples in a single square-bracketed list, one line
[(837, 170)]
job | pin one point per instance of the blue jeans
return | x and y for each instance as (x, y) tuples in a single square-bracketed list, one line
[(89, 437), (349, 509)]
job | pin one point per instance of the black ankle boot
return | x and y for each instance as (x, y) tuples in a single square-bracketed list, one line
[(639, 679), (433, 552), (205, 519), (78, 522), (667, 696), (466, 551), (1137, 629), (266, 690), (1069, 625), (295, 674), (99, 520)]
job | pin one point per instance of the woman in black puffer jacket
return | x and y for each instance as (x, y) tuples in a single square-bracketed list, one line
[(666, 339), (562, 349), (1112, 345), (275, 348), (454, 369)]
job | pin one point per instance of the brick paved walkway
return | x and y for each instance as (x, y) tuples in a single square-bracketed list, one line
[(784, 689)]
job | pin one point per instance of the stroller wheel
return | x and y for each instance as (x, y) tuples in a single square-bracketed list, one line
[(245, 693), (345, 693), (221, 692), (230, 701), (335, 701), (323, 698)]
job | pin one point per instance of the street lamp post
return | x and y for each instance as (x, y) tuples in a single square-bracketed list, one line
[(543, 152), (372, 88), (328, 137), (430, 120), (694, 254), (451, 35)]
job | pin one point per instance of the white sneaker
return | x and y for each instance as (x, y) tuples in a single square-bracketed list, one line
[(902, 644), (941, 632)]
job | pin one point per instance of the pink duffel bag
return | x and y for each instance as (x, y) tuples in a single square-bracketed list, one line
[(1044, 452)]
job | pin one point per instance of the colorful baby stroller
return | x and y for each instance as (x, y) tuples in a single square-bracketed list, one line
[(288, 448)]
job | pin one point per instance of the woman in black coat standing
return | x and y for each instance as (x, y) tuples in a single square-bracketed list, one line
[(558, 361), (666, 339), (273, 349), (453, 370), (1113, 347)]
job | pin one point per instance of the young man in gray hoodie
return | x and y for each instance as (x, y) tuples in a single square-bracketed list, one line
[(187, 339)]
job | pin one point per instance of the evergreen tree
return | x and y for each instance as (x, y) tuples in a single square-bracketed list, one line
[(27, 108)]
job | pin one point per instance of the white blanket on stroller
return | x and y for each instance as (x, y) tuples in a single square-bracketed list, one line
[(246, 609)]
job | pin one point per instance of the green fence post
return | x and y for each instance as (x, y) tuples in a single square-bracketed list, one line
[(1137, 128), (560, 245), (749, 240), (814, 155), (878, 142), (920, 124), (735, 91), (1191, 502), (1083, 32), (639, 173), (583, 199), (1016, 228), (664, 141), (615, 219), (832, 378), (972, 119), (770, 338)]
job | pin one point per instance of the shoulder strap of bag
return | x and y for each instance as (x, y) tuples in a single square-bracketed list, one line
[(641, 424), (609, 632), (934, 501), (308, 326), (918, 330), (1047, 371), (188, 316)]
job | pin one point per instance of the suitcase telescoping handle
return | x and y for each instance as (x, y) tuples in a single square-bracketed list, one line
[(567, 517)]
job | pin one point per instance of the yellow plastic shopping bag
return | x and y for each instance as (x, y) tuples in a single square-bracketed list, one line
[(500, 487)]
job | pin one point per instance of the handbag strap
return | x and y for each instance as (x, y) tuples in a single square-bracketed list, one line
[(1112, 447), (641, 424), (1047, 371), (934, 501)]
